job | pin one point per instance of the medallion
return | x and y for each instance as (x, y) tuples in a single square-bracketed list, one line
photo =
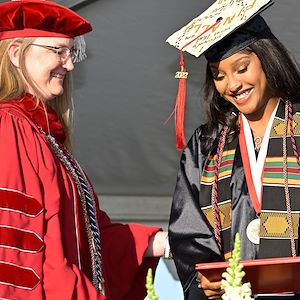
[(252, 231)]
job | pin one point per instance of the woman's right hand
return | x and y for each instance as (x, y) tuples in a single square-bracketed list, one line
[(212, 290)]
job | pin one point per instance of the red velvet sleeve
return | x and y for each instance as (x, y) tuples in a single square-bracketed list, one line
[(33, 264), (125, 268)]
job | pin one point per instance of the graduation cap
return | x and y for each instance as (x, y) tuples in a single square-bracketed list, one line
[(42, 18), (225, 28)]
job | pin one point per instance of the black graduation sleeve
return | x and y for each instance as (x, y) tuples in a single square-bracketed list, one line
[(191, 239)]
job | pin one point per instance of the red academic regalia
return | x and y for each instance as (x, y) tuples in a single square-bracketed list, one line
[(44, 251)]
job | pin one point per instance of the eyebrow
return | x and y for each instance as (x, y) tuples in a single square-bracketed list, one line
[(62, 46), (213, 66)]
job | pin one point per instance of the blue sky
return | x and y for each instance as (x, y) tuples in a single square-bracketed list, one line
[(165, 286)]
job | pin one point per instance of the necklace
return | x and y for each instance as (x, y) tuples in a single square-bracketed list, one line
[(257, 142)]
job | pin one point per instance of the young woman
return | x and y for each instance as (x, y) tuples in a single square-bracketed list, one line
[(240, 172), (55, 242)]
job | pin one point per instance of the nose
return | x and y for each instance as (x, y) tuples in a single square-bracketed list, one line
[(68, 64), (234, 84)]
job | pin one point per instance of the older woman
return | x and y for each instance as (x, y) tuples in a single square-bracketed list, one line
[(55, 243)]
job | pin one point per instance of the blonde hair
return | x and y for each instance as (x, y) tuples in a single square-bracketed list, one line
[(14, 83)]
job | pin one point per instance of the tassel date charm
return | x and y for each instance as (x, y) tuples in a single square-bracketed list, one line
[(181, 74)]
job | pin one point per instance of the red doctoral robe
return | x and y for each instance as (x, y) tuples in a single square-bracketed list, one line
[(44, 252)]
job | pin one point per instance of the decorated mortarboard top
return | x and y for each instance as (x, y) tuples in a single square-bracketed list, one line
[(40, 18), (219, 21), (225, 28)]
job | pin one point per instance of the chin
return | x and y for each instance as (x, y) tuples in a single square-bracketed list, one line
[(51, 97), (57, 93)]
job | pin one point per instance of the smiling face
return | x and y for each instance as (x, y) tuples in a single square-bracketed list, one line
[(241, 81), (45, 68)]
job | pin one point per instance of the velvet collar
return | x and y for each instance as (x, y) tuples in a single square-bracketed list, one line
[(43, 115)]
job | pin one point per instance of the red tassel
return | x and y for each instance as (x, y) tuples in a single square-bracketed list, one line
[(180, 105), (179, 108)]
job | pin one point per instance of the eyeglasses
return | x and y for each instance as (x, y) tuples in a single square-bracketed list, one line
[(64, 53)]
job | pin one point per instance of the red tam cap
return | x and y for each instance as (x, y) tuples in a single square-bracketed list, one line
[(40, 18)]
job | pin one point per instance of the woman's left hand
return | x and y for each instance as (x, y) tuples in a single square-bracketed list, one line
[(212, 289)]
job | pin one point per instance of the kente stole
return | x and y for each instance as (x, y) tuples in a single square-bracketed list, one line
[(274, 230)]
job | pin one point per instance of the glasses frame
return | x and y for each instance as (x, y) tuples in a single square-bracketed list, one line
[(56, 50)]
